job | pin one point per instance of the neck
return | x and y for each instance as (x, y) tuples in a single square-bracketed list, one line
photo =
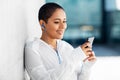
[(51, 42)]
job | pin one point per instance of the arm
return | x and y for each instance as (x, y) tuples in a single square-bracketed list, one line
[(84, 59), (86, 70), (88, 62)]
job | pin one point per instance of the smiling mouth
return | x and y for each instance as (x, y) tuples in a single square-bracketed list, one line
[(60, 32)]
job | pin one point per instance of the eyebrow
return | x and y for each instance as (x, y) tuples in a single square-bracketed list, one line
[(59, 19)]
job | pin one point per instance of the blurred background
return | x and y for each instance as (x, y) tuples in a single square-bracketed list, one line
[(99, 18), (85, 18)]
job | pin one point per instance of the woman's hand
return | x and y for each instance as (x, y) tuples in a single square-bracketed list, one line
[(87, 49)]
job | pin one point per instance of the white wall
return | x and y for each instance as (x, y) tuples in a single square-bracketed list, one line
[(18, 21)]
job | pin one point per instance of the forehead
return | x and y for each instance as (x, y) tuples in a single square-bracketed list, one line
[(59, 13)]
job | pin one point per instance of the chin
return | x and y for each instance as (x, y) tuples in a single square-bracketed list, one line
[(60, 37)]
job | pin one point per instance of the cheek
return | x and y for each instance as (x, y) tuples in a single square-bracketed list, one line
[(65, 26), (51, 30)]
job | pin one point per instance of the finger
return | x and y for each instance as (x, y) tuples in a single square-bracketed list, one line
[(88, 49), (91, 56), (89, 59), (85, 59), (92, 53), (86, 44), (88, 53), (92, 59)]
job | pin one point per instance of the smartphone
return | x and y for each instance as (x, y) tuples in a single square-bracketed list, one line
[(91, 39)]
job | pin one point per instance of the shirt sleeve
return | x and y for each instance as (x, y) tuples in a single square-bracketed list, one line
[(37, 71), (83, 69)]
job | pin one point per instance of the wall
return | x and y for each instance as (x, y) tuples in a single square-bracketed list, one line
[(18, 22)]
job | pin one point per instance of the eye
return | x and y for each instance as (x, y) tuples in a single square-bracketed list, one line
[(56, 22), (64, 21)]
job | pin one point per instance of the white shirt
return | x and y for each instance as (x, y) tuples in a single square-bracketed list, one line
[(43, 63)]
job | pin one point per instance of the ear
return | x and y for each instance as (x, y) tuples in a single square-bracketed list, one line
[(41, 22)]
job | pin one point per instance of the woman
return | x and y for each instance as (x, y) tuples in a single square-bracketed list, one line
[(50, 58)]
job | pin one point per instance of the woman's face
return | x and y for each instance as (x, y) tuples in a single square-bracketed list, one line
[(56, 24)]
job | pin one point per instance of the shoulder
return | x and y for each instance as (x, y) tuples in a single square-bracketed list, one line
[(32, 44)]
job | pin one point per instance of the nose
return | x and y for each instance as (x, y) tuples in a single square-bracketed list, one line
[(63, 26)]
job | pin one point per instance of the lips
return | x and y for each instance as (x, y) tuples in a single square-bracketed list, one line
[(60, 32)]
